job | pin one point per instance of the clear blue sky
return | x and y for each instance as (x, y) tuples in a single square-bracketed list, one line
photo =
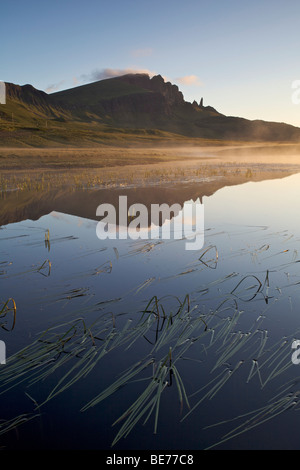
[(242, 56)]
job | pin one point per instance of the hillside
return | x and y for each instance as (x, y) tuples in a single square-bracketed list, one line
[(132, 107)]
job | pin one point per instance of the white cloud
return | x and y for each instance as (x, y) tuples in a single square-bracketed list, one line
[(189, 80), (102, 74)]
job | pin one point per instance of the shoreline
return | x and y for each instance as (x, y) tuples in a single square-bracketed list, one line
[(41, 169)]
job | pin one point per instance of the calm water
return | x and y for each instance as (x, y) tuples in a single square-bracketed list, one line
[(209, 330)]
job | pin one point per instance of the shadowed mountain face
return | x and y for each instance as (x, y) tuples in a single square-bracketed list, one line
[(130, 103)]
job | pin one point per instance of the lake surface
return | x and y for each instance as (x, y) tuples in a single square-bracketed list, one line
[(191, 348)]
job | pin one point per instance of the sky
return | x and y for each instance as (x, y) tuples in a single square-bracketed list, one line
[(241, 56)]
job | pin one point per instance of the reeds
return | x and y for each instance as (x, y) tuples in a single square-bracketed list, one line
[(5, 310), (171, 330), (283, 403), (11, 424), (47, 240)]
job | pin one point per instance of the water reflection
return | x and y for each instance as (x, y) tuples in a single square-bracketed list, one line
[(195, 344), (21, 205)]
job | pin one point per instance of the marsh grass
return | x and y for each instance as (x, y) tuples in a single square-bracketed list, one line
[(172, 331), (8, 307), (178, 333), (14, 423), (281, 403), (52, 350), (86, 178), (47, 240), (44, 269)]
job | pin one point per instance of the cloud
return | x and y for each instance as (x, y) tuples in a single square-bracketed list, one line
[(54, 87), (142, 52), (189, 80), (103, 74)]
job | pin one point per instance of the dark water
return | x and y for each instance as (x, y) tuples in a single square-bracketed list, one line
[(214, 342)]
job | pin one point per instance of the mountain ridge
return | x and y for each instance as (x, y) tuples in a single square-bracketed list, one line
[(118, 107)]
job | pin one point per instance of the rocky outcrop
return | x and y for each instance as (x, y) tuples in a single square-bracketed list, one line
[(156, 84), (150, 100), (169, 91)]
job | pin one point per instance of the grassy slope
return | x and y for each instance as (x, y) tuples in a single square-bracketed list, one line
[(24, 126), (94, 92)]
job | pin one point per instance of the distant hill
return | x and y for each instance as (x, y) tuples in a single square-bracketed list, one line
[(118, 109)]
